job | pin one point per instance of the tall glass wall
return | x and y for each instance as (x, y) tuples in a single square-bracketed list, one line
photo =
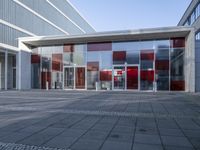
[(131, 65)]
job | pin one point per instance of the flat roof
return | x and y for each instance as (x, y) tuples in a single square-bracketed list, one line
[(134, 35)]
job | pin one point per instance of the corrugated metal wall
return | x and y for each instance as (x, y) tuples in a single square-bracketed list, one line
[(18, 13)]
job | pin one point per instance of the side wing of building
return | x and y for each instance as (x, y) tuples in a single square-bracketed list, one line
[(20, 18), (25, 18), (191, 17)]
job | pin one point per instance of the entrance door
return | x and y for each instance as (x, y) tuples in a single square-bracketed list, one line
[(119, 77), (69, 78), (132, 78), (74, 78)]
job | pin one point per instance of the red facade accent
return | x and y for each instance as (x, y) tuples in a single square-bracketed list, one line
[(177, 85), (93, 66), (105, 46), (45, 77), (35, 59), (178, 42), (119, 56), (105, 75), (162, 64), (132, 77), (147, 75), (80, 78), (68, 48), (147, 55), (57, 60)]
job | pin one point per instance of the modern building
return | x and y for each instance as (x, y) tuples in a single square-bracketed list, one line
[(191, 18), (22, 18), (160, 59)]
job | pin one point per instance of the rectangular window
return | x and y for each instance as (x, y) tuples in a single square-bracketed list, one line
[(177, 42), (68, 48), (147, 69), (104, 46), (177, 70), (57, 62), (119, 57), (92, 74)]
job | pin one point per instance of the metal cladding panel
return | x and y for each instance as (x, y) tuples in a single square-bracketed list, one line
[(66, 8), (53, 15)]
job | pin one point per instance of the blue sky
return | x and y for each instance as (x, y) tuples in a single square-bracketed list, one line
[(108, 15)]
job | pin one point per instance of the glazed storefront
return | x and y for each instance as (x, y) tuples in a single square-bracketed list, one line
[(153, 65)]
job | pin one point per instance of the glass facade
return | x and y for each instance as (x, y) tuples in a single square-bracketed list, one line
[(154, 65)]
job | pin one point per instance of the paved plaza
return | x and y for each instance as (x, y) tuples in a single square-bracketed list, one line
[(90, 120)]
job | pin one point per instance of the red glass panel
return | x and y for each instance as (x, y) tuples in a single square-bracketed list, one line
[(93, 66), (35, 59), (119, 56), (177, 85), (45, 77), (105, 46), (147, 75), (178, 42), (68, 48), (132, 77), (57, 62), (105, 75), (80, 78), (162, 64), (147, 55)]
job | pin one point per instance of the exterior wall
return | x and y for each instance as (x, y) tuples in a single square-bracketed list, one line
[(25, 18), (25, 70), (147, 65), (197, 65), (20, 18), (196, 26), (190, 63)]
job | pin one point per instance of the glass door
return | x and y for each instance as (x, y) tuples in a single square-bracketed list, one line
[(119, 76), (80, 77), (69, 78), (132, 78)]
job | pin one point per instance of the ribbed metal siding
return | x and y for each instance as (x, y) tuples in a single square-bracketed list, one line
[(46, 10), (15, 14), (10, 36), (66, 8)]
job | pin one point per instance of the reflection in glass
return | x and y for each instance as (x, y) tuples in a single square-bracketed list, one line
[(106, 79), (132, 77), (119, 57), (132, 57), (146, 69), (162, 69), (92, 74), (177, 70), (11, 77), (69, 78), (80, 77), (35, 71), (119, 77)]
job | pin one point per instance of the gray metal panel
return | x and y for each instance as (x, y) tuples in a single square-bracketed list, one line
[(73, 14), (25, 70), (197, 65), (188, 12), (46, 10), (15, 14)]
